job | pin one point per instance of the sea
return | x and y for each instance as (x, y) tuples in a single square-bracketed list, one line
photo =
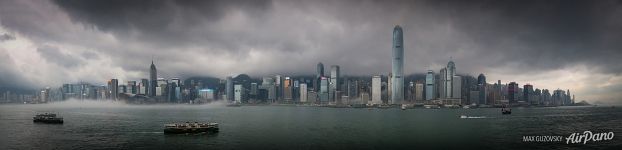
[(110, 125)]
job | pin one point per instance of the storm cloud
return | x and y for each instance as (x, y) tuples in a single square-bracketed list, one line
[(551, 44)]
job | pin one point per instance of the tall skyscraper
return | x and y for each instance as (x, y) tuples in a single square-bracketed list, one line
[(457, 87), (303, 92), (513, 92), (449, 75), (334, 82), (528, 93), (318, 75), (481, 83), (288, 90), (376, 90), (323, 90), (397, 95), (114, 89), (229, 89), (442, 84), (239, 93), (153, 80), (418, 92), (429, 85)]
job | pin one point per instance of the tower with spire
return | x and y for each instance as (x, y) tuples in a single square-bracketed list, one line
[(153, 79)]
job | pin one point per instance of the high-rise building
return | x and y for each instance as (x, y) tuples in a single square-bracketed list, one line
[(303, 93), (229, 88), (442, 84), (429, 85), (334, 82), (457, 87), (528, 93), (513, 92), (449, 83), (323, 90), (397, 95), (153, 77), (318, 75), (376, 90), (288, 90), (481, 83), (239, 93), (268, 85), (131, 87), (419, 92), (113, 86)]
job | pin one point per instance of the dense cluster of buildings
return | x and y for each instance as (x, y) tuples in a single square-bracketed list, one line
[(443, 88)]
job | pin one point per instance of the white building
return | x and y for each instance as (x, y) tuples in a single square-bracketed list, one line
[(238, 92), (376, 91), (303, 93)]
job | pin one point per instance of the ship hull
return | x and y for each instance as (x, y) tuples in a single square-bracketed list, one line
[(52, 121), (189, 130)]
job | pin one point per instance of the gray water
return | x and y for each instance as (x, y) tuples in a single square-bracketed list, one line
[(95, 125)]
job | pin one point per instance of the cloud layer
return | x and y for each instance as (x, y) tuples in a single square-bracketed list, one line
[(551, 44)]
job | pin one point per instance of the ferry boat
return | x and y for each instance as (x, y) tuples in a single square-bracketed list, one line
[(47, 118), (188, 127)]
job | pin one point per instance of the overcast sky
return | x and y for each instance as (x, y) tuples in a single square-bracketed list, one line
[(574, 45)]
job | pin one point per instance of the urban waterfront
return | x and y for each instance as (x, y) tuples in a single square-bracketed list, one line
[(106, 125)]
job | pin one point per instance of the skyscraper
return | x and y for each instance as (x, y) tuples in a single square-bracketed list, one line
[(229, 89), (287, 90), (481, 83), (418, 92), (513, 92), (397, 95), (429, 85), (457, 87), (153, 80), (442, 84), (449, 75), (303, 92), (318, 75), (323, 90), (376, 91), (114, 89), (334, 82)]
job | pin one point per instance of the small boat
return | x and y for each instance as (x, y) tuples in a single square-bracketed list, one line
[(403, 106), (47, 118), (177, 128), (506, 111)]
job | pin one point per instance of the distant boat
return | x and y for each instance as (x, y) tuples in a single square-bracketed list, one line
[(177, 128), (506, 111), (48, 118), (403, 106)]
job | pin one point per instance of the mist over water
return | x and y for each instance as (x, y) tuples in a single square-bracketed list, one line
[(87, 103)]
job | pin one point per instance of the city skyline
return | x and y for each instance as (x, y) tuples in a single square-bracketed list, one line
[(91, 49)]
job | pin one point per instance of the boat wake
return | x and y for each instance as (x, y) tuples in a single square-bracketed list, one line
[(472, 117)]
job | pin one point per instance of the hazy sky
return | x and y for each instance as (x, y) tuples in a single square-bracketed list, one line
[(574, 45)]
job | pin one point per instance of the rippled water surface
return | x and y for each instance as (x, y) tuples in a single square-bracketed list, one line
[(94, 125)]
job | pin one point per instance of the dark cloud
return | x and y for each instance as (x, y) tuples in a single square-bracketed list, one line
[(6, 37), (514, 38)]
